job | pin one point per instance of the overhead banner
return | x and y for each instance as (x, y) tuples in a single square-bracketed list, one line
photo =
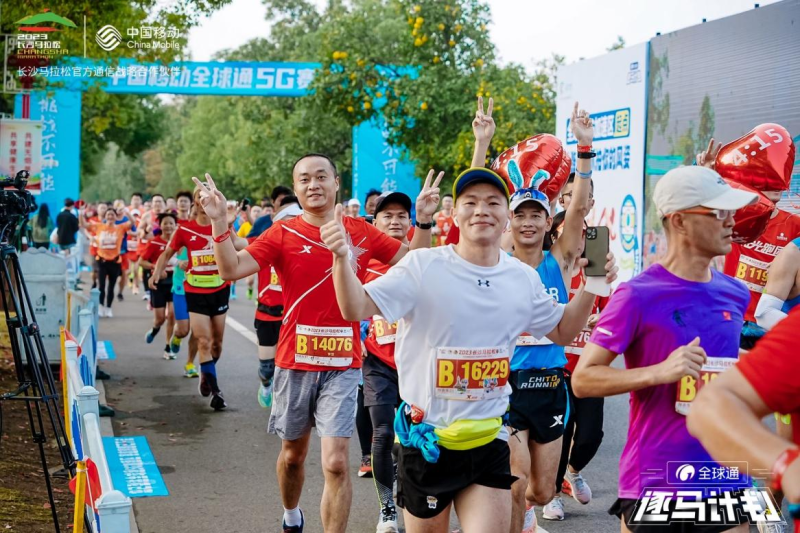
[(21, 149), (618, 110), (738, 81)]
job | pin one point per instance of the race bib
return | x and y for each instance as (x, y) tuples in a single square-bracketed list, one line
[(579, 343), (133, 244), (108, 241), (172, 263), (324, 346), (752, 272), (385, 333), (274, 281), (688, 387), (203, 261), (471, 373), (529, 340)]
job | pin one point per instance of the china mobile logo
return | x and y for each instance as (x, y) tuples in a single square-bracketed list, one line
[(705, 506), (108, 37)]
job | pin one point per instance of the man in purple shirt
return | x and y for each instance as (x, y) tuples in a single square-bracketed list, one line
[(675, 320)]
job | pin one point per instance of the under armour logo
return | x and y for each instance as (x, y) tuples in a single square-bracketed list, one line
[(306, 249), (483, 283), (558, 420)]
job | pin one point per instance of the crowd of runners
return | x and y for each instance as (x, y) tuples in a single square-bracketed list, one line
[(459, 336)]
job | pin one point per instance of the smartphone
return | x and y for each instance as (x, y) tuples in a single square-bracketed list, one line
[(596, 250)]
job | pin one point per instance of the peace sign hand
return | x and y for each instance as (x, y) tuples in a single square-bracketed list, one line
[(483, 125), (333, 234), (581, 125), (214, 203), (428, 199), (708, 158)]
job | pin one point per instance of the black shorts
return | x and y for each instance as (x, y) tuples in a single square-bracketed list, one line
[(210, 304), (426, 489), (380, 383), (160, 296), (267, 331), (625, 508), (543, 409)]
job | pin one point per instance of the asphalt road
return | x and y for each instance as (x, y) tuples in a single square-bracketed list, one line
[(220, 467)]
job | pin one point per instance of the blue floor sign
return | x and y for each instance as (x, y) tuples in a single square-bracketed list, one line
[(105, 351), (133, 468)]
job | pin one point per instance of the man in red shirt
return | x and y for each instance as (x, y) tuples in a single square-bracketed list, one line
[(726, 415), (319, 353)]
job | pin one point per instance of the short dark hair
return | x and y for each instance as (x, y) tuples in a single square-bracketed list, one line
[(281, 190), (68, 202), (312, 154), (447, 195), (157, 194), (291, 199), (370, 194), (166, 214), (184, 194), (137, 194)]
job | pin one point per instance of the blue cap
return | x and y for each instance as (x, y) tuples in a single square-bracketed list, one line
[(479, 175)]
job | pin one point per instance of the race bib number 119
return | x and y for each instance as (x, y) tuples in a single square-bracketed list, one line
[(688, 387)]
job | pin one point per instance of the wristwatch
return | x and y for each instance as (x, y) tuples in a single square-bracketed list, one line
[(426, 225)]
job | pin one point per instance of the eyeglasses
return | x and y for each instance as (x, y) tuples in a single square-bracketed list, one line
[(720, 214), (569, 195), (532, 193)]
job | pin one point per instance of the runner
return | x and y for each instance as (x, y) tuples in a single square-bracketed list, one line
[(565, 198), (131, 259), (444, 220), (459, 310), (392, 216), (370, 201), (782, 292), (253, 213), (171, 204), (583, 432), (147, 225), (318, 354), (110, 236), (206, 296), (727, 414), (666, 320), (183, 203), (354, 208), (161, 295), (179, 296)]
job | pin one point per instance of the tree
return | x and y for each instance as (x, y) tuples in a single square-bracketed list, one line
[(618, 45)]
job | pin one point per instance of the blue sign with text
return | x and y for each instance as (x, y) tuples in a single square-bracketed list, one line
[(133, 468)]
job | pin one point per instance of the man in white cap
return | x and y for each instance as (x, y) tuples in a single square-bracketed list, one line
[(353, 207), (675, 322)]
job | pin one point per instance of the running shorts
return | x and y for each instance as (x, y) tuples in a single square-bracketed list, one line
[(209, 304), (325, 400), (267, 331), (625, 508), (161, 296), (380, 383), (125, 262), (539, 403), (426, 489), (179, 306)]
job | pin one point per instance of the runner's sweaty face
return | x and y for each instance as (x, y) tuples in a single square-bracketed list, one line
[(158, 204), (110, 217), (447, 204), (167, 226), (136, 201), (184, 204), (529, 224), (482, 214), (393, 221), (710, 236), (315, 184)]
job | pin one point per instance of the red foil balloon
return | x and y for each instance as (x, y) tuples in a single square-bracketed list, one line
[(761, 159), (751, 221), (562, 174), (520, 163)]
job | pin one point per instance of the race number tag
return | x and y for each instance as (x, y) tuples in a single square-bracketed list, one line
[(471, 373), (526, 339), (385, 333), (108, 240), (688, 387), (752, 272), (324, 346), (579, 343), (274, 281), (204, 261)]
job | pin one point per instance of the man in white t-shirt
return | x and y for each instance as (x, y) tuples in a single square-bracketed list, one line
[(460, 309)]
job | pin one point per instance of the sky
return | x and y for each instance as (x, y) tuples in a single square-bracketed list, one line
[(524, 31)]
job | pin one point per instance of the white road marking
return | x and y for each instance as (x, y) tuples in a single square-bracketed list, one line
[(244, 331)]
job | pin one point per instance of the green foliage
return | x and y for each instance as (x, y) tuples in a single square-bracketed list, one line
[(121, 175), (619, 44)]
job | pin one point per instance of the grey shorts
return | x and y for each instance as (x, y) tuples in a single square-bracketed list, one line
[(325, 400)]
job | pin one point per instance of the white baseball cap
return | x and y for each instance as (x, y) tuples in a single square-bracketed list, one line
[(354, 201), (686, 187)]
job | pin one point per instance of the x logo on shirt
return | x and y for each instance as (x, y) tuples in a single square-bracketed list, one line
[(306, 249)]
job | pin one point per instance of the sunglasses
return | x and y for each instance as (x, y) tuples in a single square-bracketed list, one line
[(530, 192), (720, 214)]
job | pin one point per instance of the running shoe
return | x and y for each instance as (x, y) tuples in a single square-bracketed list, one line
[(295, 529), (387, 521), (109, 313), (168, 353), (366, 467), (101, 312), (175, 344), (554, 510), (190, 371), (579, 489), (530, 525), (204, 386), (151, 335), (265, 396), (249, 293), (146, 296), (119, 297), (218, 402), (566, 488), (134, 289)]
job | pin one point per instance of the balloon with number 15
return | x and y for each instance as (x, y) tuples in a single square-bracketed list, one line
[(761, 159)]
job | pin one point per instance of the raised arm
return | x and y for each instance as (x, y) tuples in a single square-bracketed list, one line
[(232, 265), (354, 302), (483, 128)]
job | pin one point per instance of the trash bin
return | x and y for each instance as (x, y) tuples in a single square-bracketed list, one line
[(45, 275)]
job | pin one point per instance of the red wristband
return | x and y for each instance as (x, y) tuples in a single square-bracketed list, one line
[(782, 463), (222, 237), (584, 148)]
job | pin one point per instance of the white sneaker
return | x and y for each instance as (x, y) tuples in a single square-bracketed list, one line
[(530, 525), (387, 523), (102, 311), (554, 510), (580, 489), (109, 314)]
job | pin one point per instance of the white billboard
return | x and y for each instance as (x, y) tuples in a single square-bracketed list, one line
[(613, 89)]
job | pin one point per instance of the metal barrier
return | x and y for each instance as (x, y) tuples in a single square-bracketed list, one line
[(81, 412)]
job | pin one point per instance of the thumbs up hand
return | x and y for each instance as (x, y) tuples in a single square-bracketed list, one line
[(334, 235)]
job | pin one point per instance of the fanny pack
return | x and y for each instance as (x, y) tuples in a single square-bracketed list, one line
[(271, 310), (204, 281), (538, 380)]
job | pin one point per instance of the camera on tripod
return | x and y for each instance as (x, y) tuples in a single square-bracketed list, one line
[(15, 204)]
